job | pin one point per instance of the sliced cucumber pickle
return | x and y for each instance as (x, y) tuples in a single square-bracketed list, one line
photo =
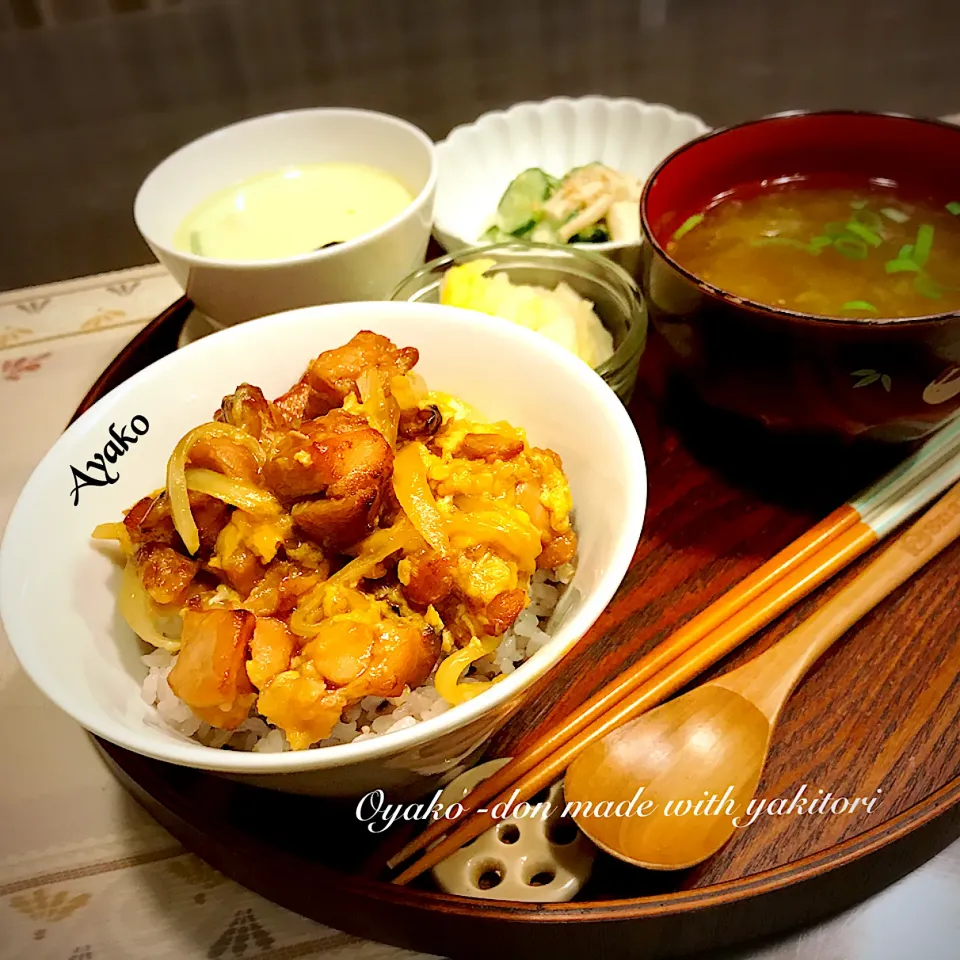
[(521, 205)]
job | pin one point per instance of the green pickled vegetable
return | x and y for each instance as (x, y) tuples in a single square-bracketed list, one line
[(521, 205)]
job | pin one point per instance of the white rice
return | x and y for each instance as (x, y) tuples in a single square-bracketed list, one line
[(372, 716)]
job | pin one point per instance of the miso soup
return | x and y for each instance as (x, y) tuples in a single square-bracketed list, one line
[(829, 251)]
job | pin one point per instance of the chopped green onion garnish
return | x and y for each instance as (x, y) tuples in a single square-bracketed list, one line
[(859, 305), (954, 207), (851, 247), (897, 216), (906, 252), (778, 242), (927, 287), (858, 204), (924, 244), (901, 266), (195, 246), (687, 226), (868, 218), (819, 243), (864, 233), (835, 229)]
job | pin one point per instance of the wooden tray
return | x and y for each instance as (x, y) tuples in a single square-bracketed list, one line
[(878, 712)]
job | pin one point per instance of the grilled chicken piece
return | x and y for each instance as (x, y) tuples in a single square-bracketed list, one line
[(281, 586), (301, 402), (341, 651), (560, 550), (343, 465), (336, 523), (503, 610), (430, 578), (209, 674), (490, 447), (371, 660), (420, 423), (149, 520), (226, 456), (403, 656), (345, 662), (241, 569), (271, 647), (166, 575), (334, 374), (248, 409)]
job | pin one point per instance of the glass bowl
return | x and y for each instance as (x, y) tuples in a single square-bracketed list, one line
[(615, 297)]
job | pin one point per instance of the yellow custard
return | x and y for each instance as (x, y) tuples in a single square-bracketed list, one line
[(291, 211)]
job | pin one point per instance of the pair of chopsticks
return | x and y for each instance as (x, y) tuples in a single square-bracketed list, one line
[(773, 588)]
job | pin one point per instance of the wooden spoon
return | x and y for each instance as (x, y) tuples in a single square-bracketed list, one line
[(713, 741)]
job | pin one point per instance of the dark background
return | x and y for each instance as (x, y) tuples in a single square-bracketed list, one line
[(93, 93)]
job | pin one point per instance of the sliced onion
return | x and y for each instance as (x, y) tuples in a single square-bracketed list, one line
[(382, 410), (447, 679), (238, 493), (113, 531), (141, 612), (109, 531), (415, 496), (375, 549), (176, 475), (510, 530)]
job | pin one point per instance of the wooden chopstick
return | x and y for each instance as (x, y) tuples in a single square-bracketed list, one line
[(646, 667), (689, 664), (793, 573)]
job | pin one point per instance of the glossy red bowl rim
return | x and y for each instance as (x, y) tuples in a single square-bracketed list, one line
[(754, 306)]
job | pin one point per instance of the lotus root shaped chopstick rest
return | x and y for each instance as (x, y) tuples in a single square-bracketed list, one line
[(536, 857)]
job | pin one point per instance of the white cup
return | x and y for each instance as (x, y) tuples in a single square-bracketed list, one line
[(367, 268)]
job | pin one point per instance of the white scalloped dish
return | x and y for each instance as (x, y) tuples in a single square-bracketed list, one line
[(479, 160)]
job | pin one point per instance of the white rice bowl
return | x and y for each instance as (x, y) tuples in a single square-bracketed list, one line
[(81, 654)]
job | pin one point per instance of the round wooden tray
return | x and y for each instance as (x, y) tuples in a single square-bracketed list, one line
[(877, 713)]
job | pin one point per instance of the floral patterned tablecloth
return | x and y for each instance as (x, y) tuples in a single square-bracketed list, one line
[(85, 873)]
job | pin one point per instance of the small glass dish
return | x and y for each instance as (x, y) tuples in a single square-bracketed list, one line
[(615, 297)]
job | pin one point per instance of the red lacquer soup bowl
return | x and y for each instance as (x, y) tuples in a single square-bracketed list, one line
[(888, 380)]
